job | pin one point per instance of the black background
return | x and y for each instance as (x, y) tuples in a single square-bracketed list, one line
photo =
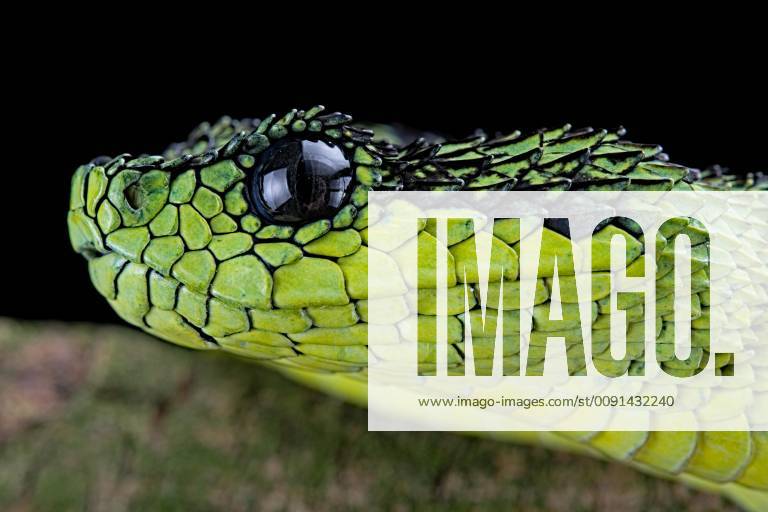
[(711, 114)]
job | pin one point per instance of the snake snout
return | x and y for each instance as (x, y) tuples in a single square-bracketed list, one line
[(88, 182)]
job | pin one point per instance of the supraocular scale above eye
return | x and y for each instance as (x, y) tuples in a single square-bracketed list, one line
[(299, 180)]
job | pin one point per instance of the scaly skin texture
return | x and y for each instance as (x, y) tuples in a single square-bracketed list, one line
[(178, 247)]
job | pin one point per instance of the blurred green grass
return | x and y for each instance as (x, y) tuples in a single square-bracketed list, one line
[(106, 418)]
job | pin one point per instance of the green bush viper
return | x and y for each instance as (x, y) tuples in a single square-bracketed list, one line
[(251, 238)]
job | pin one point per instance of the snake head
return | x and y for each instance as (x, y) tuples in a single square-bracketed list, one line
[(245, 230)]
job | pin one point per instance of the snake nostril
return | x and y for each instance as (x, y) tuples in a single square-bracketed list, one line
[(139, 196), (133, 196)]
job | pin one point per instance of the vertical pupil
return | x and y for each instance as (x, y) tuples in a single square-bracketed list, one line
[(300, 180)]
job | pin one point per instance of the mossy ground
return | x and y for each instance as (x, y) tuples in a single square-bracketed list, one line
[(106, 418)]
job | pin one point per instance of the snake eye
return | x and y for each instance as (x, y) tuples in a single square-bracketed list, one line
[(301, 180)]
